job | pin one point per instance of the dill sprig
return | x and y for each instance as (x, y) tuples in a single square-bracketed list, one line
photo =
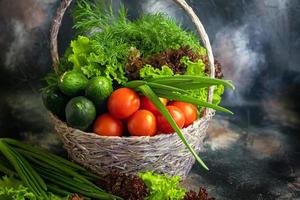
[(152, 33)]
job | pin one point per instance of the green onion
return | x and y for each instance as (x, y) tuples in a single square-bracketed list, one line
[(13, 159), (45, 170), (188, 99), (134, 84), (6, 169), (192, 79), (167, 88), (43, 153), (54, 189)]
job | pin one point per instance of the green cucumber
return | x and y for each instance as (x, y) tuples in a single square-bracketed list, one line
[(55, 101), (98, 90), (80, 113), (72, 83)]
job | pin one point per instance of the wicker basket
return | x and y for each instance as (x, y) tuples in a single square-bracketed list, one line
[(162, 153)]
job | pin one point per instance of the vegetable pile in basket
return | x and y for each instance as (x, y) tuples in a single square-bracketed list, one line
[(131, 78)]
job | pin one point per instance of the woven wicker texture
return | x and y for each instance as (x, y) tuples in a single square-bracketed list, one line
[(162, 153)]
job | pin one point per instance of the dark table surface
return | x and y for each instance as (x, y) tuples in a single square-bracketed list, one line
[(254, 154)]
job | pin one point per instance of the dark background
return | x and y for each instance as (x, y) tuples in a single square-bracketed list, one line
[(253, 154)]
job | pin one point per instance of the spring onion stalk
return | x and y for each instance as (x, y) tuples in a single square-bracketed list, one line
[(192, 79), (47, 171), (54, 189), (43, 153), (167, 88), (188, 99), (148, 92), (17, 166), (134, 84), (5, 169)]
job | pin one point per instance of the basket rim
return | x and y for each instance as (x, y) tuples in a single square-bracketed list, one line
[(195, 124)]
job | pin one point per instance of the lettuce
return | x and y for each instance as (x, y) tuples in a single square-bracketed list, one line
[(162, 186), (13, 189), (150, 72), (198, 69), (92, 59)]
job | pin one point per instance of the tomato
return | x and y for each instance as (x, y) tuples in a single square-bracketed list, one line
[(123, 102), (148, 105), (163, 125), (106, 125), (142, 123), (189, 110)]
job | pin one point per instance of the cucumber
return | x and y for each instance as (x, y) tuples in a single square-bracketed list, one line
[(72, 83), (55, 101), (80, 113), (98, 90)]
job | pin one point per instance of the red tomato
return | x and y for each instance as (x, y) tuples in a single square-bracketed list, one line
[(106, 125), (123, 102), (148, 105), (189, 110), (142, 123), (163, 125)]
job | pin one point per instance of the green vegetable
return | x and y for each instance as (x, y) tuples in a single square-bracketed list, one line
[(162, 186), (152, 33), (98, 90), (197, 69), (61, 176), (150, 72), (72, 83), (13, 189), (80, 113), (55, 101), (92, 58), (23, 169)]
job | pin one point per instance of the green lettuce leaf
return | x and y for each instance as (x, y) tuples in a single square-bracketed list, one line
[(12, 189), (93, 59), (150, 72), (198, 68), (162, 186)]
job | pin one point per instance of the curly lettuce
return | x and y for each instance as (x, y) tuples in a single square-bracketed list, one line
[(198, 69), (150, 72), (92, 59), (13, 189), (162, 186)]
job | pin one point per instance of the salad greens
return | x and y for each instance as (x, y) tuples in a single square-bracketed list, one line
[(94, 59), (197, 69), (150, 72), (162, 186), (13, 189)]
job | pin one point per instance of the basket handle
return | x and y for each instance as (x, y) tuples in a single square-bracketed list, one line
[(182, 3)]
